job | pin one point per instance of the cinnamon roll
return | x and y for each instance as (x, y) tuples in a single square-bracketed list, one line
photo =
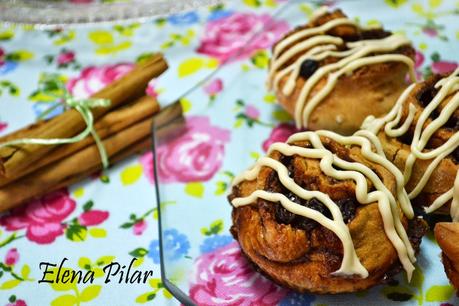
[(332, 73), (420, 135), (325, 213), (447, 235)]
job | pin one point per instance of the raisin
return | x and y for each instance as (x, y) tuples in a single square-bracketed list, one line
[(305, 223), (309, 224), (286, 160), (308, 67), (452, 123), (283, 216), (348, 208), (431, 219), (374, 34), (318, 206), (426, 95), (406, 138), (272, 183)]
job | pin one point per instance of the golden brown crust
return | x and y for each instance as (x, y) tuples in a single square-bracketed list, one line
[(369, 90), (451, 272), (447, 235), (297, 252), (398, 149)]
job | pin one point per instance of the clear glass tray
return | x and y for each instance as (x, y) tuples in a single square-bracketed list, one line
[(168, 127), (63, 12), (199, 258)]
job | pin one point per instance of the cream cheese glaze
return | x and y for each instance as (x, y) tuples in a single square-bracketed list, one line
[(359, 173), (317, 46), (448, 86)]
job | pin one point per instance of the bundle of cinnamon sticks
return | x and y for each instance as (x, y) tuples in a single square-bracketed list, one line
[(28, 171)]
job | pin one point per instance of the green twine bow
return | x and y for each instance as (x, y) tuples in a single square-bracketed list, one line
[(83, 106)]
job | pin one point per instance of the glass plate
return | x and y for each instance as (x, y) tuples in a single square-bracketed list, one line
[(61, 12), (199, 258), (168, 126)]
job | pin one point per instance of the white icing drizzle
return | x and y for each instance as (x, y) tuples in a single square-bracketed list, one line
[(281, 45), (290, 68), (359, 173), (317, 46), (448, 86)]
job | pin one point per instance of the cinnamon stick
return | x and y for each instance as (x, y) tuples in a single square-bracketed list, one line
[(70, 123), (23, 132), (138, 147), (74, 167), (111, 123)]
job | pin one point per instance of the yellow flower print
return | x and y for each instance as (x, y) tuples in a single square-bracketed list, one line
[(6, 34), (260, 3), (106, 43), (101, 37), (64, 38), (126, 30), (131, 174), (73, 295), (194, 64), (61, 36), (157, 286), (430, 11), (97, 266), (176, 38), (16, 279), (395, 3)]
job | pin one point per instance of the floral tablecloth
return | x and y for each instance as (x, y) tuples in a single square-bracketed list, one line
[(111, 217)]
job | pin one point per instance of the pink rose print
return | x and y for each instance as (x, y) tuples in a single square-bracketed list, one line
[(279, 134), (65, 58), (42, 218), (431, 32), (438, 65), (213, 87), (147, 163), (224, 277), (151, 89), (139, 227), (93, 79), (17, 303), (2, 55), (252, 112), (418, 61), (3, 126), (443, 67), (225, 37), (196, 155), (93, 217), (12, 257)]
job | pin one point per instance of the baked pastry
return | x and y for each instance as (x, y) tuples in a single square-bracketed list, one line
[(420, 135), (331, 73), (324, 213), (447, 235)]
